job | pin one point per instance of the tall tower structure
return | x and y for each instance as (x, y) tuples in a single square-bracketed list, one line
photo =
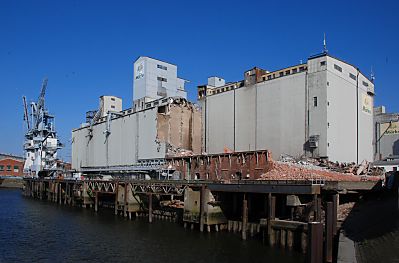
[(155, 79)]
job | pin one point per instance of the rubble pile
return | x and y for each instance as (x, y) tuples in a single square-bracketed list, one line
[(344, 210), (173, 151), (312, 169), (365, 168), (172, 203)]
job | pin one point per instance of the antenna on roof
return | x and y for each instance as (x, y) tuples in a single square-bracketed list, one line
[(372, 76), (325, 44)]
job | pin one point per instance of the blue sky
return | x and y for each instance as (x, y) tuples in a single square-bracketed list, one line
[(87, 48)]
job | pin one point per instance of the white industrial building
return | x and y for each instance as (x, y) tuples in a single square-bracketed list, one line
[(161, 123), (154, 79), (321, 108)]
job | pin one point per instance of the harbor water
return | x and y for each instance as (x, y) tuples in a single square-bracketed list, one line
[(40, 231)]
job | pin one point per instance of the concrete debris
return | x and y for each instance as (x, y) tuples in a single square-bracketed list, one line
[(312, 169), (344, 210), (173, 151), (364, 169), (172, 203)]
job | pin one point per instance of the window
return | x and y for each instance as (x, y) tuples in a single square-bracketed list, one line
[(337, 67), (281, 74), (302, 68), (162, 67), (9, 168), (287, 72), (314, 101), (16, 169), (323, 63), (294, 70), (1, 167), (112, 107), (264, 78), (113, 99), (162, 79), (352, 76), (365, 84), (269, 77)]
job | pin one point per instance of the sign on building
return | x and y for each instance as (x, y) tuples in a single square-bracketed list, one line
[(389, 128), (367, 105)]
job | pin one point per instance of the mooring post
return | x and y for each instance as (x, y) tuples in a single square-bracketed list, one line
[(202, 208), (150, 208), (315, 242), (116, 197), (244, 217), (329, 232), (270, 216), (96, 202)]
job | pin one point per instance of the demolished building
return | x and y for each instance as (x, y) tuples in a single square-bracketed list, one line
[(137, 140)]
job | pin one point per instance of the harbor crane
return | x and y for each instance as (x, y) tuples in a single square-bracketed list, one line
[(41, 142)]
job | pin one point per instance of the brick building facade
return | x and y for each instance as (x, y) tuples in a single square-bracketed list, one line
[(11, 165)]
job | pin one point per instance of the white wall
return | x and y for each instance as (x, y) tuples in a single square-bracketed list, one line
[(281, 115), (344, 112), (269, 115), (132, 137)]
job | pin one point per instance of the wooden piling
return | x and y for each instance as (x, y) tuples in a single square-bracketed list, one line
[(271, 216), (125, 201), (290, 239), (329, 232), (60, 192), (202, 208), (150, 208), (315, 242), (282, 238), (244, 218), (335, 212), (317, 208), (96, 202), (116, 198)]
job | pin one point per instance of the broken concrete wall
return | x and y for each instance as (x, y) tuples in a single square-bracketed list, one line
[(179, 125)]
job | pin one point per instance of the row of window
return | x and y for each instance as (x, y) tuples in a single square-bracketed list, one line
[(162, 79), (352, 76), (16, 168), (223, 89), (285, 72), (162, 67)]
